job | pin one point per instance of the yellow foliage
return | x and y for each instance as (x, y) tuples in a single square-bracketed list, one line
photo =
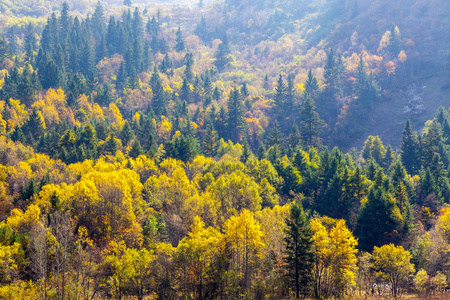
[(243, 236), (164, 128), (23, 222), (335, 251), (16, 114), (115, 116)]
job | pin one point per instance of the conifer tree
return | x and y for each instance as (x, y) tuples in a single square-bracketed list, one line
[(221, 58), (188, 62), (179, 40), (311, 125), (311, 86), (299, 255), (235, 120), (279, 97), (209, 146), (409, 149), (136, 149), (159, 97), (376, 224)]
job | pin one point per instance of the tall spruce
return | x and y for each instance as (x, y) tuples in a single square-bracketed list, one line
[(409, 149), (311, 125), (299, 256), (235, 119)]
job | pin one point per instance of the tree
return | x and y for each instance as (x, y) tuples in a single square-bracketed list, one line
[(394, 263), (279, 97), (335, 260), (196, 255), (209, 145), (366, 88), (409, 149), (242, 236), (222, 58), (311, 86), (299, 256), (136, 149), (235, 120), (311, 125), (179, 46), (377, 222)]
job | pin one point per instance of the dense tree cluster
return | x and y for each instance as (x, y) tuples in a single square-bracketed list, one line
[(135, 160)]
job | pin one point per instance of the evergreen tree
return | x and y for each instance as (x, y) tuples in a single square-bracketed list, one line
[(235, 120), (366, 89), (159, 97), (246, 153), (179, 46), (275, 136), (188, 62), (136, 149), (395, 42), (209, 146), (126, 134), (376, 224), (30, 190), (279, 97), (311, 125), (35, 125), (311, 86), (221, 58), (299, 256), (330, 74), (409, 149), (111, 145)]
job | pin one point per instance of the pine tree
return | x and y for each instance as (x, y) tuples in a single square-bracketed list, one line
[(111, 145), (35, 125), (179, 47), (136, 149), (376, 224), (246, 153), (188, 62), (235, 120), (159, 97), (311, 86), (275, 136), (395, 42), (311, 125), (299, 255), (221, 58), (279, 97), (126, 134), (330, 74), (409, 149), (366, 89), (209, 146)]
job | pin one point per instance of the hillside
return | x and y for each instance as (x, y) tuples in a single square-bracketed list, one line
[(229, 149)]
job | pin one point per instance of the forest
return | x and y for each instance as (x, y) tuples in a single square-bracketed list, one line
[(224, 149)]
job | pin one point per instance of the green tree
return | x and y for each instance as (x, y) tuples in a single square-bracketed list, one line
[(179, 40), (409, 149), (377, 223), (311, 125), (235, 120), (299, 256)]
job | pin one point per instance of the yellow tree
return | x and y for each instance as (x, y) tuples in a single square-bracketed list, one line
[(335, 252), (8, 264), (393, 263), (243, 238), (343, 260), (196, 254)]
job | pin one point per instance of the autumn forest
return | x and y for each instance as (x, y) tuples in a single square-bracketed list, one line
[(229, 149)]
